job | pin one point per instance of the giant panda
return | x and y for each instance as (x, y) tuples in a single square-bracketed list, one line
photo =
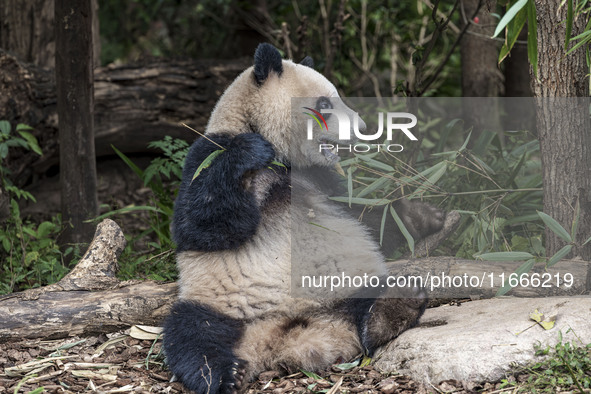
[(235, 316)]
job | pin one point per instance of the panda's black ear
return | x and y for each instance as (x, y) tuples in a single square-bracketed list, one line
[(308, 62), (266, 59)]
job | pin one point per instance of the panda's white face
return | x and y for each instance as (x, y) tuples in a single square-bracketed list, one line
[(267, 109), (310, 91)]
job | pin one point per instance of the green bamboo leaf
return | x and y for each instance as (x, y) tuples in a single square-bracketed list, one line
[(383, 225), (523, 268), (516, 169), (347, 366), (513, 30), (522, 219), (350, 184), (362, 201), (432, 180), (506, 256), (509, 15), (528, 147), (555, 226), (138, 171), (207, 162), (365, 361), (483, 143), (311, 375), (447, 131), (569, 23), (276, 163), (559, 255), (373, 186), (587, 241), (484, 166), (575, 227), (532, 37), (423, 174), (124, 210), (465, 144), (409, 239), (435, 177), (584, 37), (376, 164)]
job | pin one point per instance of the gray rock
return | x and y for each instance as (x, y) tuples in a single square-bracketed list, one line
[(481, 340)]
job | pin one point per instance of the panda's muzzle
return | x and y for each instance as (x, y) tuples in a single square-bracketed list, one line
[(329, 149)]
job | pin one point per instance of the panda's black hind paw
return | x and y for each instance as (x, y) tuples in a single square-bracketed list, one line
[(217, 376), (390, 316), (420, 219), (234, 382)]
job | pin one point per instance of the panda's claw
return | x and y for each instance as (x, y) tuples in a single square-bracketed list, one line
[(238, 371)]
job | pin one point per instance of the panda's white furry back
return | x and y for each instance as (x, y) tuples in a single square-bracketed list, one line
[(235, 317)]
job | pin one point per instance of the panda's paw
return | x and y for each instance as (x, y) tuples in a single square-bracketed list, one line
[(419, 218), (234, 381), (389, 317), (217, 376), (251, 151)]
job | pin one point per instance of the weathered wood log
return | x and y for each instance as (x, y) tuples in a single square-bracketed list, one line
[(450, 277), (134, 104), (91, 300)]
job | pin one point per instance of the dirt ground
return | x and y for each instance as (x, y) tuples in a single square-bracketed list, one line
[(120, 363)]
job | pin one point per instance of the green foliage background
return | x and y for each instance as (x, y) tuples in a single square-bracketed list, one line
[(360, 41), (494, 178)]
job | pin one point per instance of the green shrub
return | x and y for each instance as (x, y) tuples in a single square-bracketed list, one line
[(564, 368), (496, 189), (29, 254), (163, 177)]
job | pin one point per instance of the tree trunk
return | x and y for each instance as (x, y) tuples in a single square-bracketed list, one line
[(480, 74), (27, 31), (517, 79), (518, 84), (563, 125), (75, 106)]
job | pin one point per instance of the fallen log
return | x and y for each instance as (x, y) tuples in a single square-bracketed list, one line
[(134, 104), (91, 300)]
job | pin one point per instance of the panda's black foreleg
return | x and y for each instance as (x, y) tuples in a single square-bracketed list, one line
[(199, 344), (214, 211)]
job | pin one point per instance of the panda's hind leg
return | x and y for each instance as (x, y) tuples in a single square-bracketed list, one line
[(199, 345), (309, 342)]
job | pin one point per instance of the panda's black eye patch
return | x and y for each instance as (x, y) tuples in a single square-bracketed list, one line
[(323, 103)]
